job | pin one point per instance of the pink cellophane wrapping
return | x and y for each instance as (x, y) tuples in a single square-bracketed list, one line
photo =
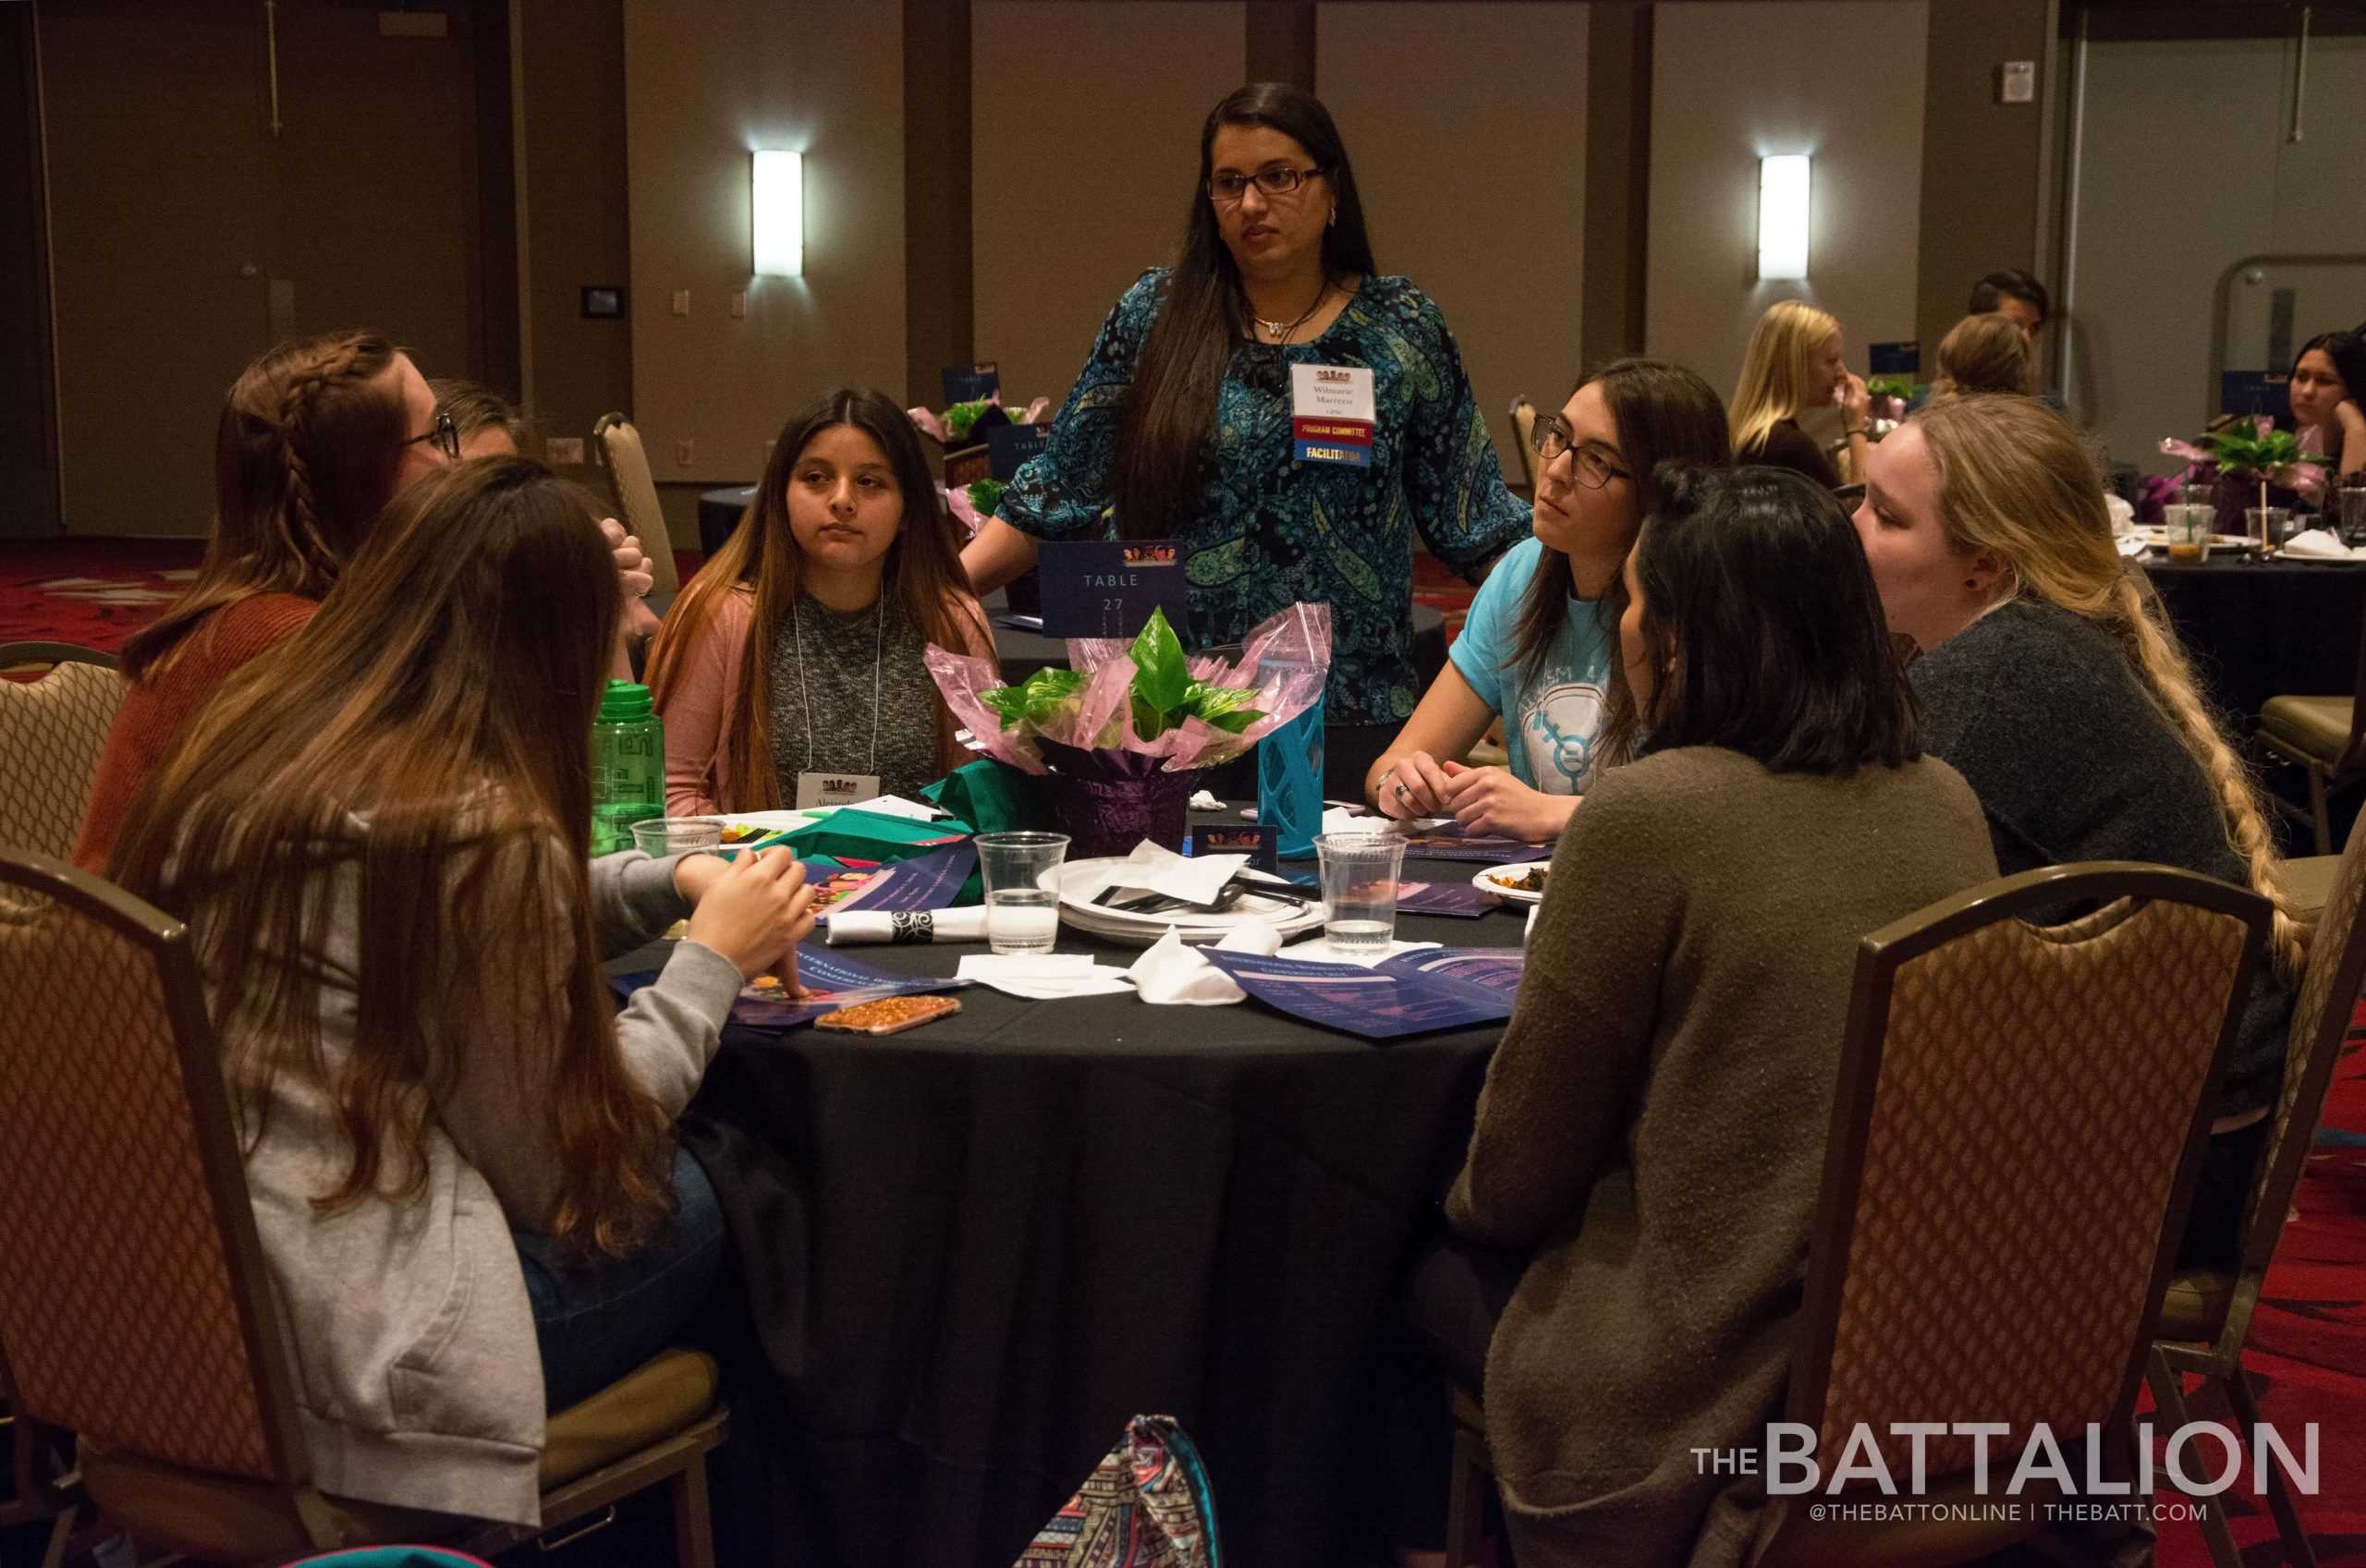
[(1296, 643)]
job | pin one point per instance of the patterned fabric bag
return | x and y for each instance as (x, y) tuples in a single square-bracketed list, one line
[(1145, 1505)]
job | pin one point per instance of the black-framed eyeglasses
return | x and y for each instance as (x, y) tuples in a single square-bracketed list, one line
[(443, 433), (1228, 186), (1594, 467)]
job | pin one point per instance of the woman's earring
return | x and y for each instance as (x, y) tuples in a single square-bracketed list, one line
[(1334, 219)]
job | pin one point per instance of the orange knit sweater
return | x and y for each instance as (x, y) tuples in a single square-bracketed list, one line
[(155, 708)]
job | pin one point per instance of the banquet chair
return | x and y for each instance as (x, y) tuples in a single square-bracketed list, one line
[(2326, 735), (1524, 426), (42, 1486), (2205, 1318), (151, 1331), (2020, 1114), (51, 731), (636, 494)]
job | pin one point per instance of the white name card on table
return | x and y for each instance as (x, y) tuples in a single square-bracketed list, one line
[(1044, 977)]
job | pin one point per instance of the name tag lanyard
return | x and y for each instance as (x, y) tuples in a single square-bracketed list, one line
[(878, 651)]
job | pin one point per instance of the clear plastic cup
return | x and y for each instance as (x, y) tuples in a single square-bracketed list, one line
[(2273, 524), (2187, 530), (676, 835), (1359, 875), (1022, 874)]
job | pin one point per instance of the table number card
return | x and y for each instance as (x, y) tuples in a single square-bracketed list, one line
[(1108, 588), (1010, 445), (966, 384), (1897, 358), (1252, 839)]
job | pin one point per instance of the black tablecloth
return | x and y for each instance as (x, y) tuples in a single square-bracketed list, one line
[(1026, 1223), (2258, 629)]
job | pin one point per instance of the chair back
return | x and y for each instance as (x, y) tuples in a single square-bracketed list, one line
[(135, 1307), (2321, 1018), (1524, 426), (636, 491), (2020, 1113), (51, 731)]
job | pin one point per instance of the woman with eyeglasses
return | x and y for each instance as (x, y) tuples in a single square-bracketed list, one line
[(1292, 418), (1541, 647), (315, 438)]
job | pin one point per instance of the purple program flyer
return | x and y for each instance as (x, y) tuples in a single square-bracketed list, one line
[(1497, 969), (926, 881), (1459, 900), (1377, 1004)]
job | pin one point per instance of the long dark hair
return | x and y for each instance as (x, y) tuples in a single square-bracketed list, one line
[(445, 694), (1663, 412), (922, 571), (304, 456), (2348, 352), (1756, 592), (1170, 409)]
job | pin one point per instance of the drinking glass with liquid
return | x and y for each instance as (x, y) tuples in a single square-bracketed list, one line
[(1022, 876), (1359, 874)]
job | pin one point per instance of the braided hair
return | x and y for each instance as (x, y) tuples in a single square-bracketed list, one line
[(304, 456)]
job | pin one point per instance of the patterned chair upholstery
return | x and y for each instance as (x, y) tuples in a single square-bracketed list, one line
[(149, 1327), (636, 492), (2205, 1318), (2020, 1114), (51, 731)]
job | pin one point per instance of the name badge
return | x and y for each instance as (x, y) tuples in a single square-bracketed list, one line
[(1105, 587), (966, 384), (1331, 414), (834, 789)]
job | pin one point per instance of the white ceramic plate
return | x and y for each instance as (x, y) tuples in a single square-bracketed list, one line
[(1485, 881), (1082, 881)]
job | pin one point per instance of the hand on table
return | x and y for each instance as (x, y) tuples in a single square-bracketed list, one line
[(1489, 800), (754, 911), (1415, 785)]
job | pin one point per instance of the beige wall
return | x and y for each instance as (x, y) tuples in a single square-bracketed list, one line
[(1086, 136), (1735, 81), (1453, 180), (703, 89)]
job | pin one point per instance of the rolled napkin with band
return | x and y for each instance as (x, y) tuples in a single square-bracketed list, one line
[(847, 928)]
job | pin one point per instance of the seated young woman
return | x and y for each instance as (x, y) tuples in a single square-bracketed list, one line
[(1541, 647), (316, 436), (376, 834), (795, 651), (1796, 362), (1988, 353), (2050, 680), (1655, 1053), (2328, 391)]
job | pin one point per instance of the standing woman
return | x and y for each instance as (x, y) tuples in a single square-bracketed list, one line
[(1181, 423), (2327, 388), (1796, 362), (796, 652), (1541, 647)]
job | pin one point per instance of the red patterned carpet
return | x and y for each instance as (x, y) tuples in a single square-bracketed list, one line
[(2308, 1338)]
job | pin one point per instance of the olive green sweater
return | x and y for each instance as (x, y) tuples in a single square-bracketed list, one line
[(1653, 1126)]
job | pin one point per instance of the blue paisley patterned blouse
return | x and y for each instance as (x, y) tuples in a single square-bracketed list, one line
[(1272, 531)]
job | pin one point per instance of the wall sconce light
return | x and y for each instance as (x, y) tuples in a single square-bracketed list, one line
[(1782, 217), (777, 208)]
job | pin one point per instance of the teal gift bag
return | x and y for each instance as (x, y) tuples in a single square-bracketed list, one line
[(1290, 783)]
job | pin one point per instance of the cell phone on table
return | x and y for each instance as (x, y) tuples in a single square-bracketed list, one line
[(889, 1015)]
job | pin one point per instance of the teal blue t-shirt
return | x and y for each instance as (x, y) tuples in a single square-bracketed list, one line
[(1553, 719)]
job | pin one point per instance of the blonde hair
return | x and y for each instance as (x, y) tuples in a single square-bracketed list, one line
[(1985, 353), (2015, 481), (1774, 370)]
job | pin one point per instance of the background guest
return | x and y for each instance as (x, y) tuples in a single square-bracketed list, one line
[(2328, 381), (375, 833), (1541, 647), (796, 650), (1180, 423), (1653, 1128), (1985, 353), (1796, 362), (2015, 295), (2050, 681)]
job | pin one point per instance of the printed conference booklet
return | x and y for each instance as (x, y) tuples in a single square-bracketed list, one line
[(1417, 992), (926, 881), (1450, 842)]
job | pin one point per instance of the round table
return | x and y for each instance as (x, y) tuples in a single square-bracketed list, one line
[(976, 1249), (2258, 629), (719, 511)]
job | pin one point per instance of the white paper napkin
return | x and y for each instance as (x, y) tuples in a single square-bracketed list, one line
[(1044, 977), (1202, 801), (1174, 974), (2132, 544), (2319, 544), (1346, 820), (2123, 515), (848, 927)]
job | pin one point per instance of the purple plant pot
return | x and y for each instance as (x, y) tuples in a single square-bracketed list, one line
[(1109, 801)]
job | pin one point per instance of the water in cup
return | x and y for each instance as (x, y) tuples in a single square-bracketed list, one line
[(1021, 919), (1359, 873)]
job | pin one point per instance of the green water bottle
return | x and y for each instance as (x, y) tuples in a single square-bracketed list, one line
[(627, 766)]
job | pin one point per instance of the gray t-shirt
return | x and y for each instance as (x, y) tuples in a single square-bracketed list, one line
[(837, 663)]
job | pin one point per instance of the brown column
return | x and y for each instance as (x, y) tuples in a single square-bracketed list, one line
[(1618, 178), (1281, 41), (1983, 176), (939, 323)]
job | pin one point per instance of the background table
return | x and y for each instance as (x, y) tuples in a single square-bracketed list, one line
[(1028, 1222), (2260, 628), (719, 513)]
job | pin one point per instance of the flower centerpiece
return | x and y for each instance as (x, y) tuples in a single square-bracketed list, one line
[(1125, 733), (2248, 463)]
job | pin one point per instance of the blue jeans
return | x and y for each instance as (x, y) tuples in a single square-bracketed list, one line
[(595, 1322)]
